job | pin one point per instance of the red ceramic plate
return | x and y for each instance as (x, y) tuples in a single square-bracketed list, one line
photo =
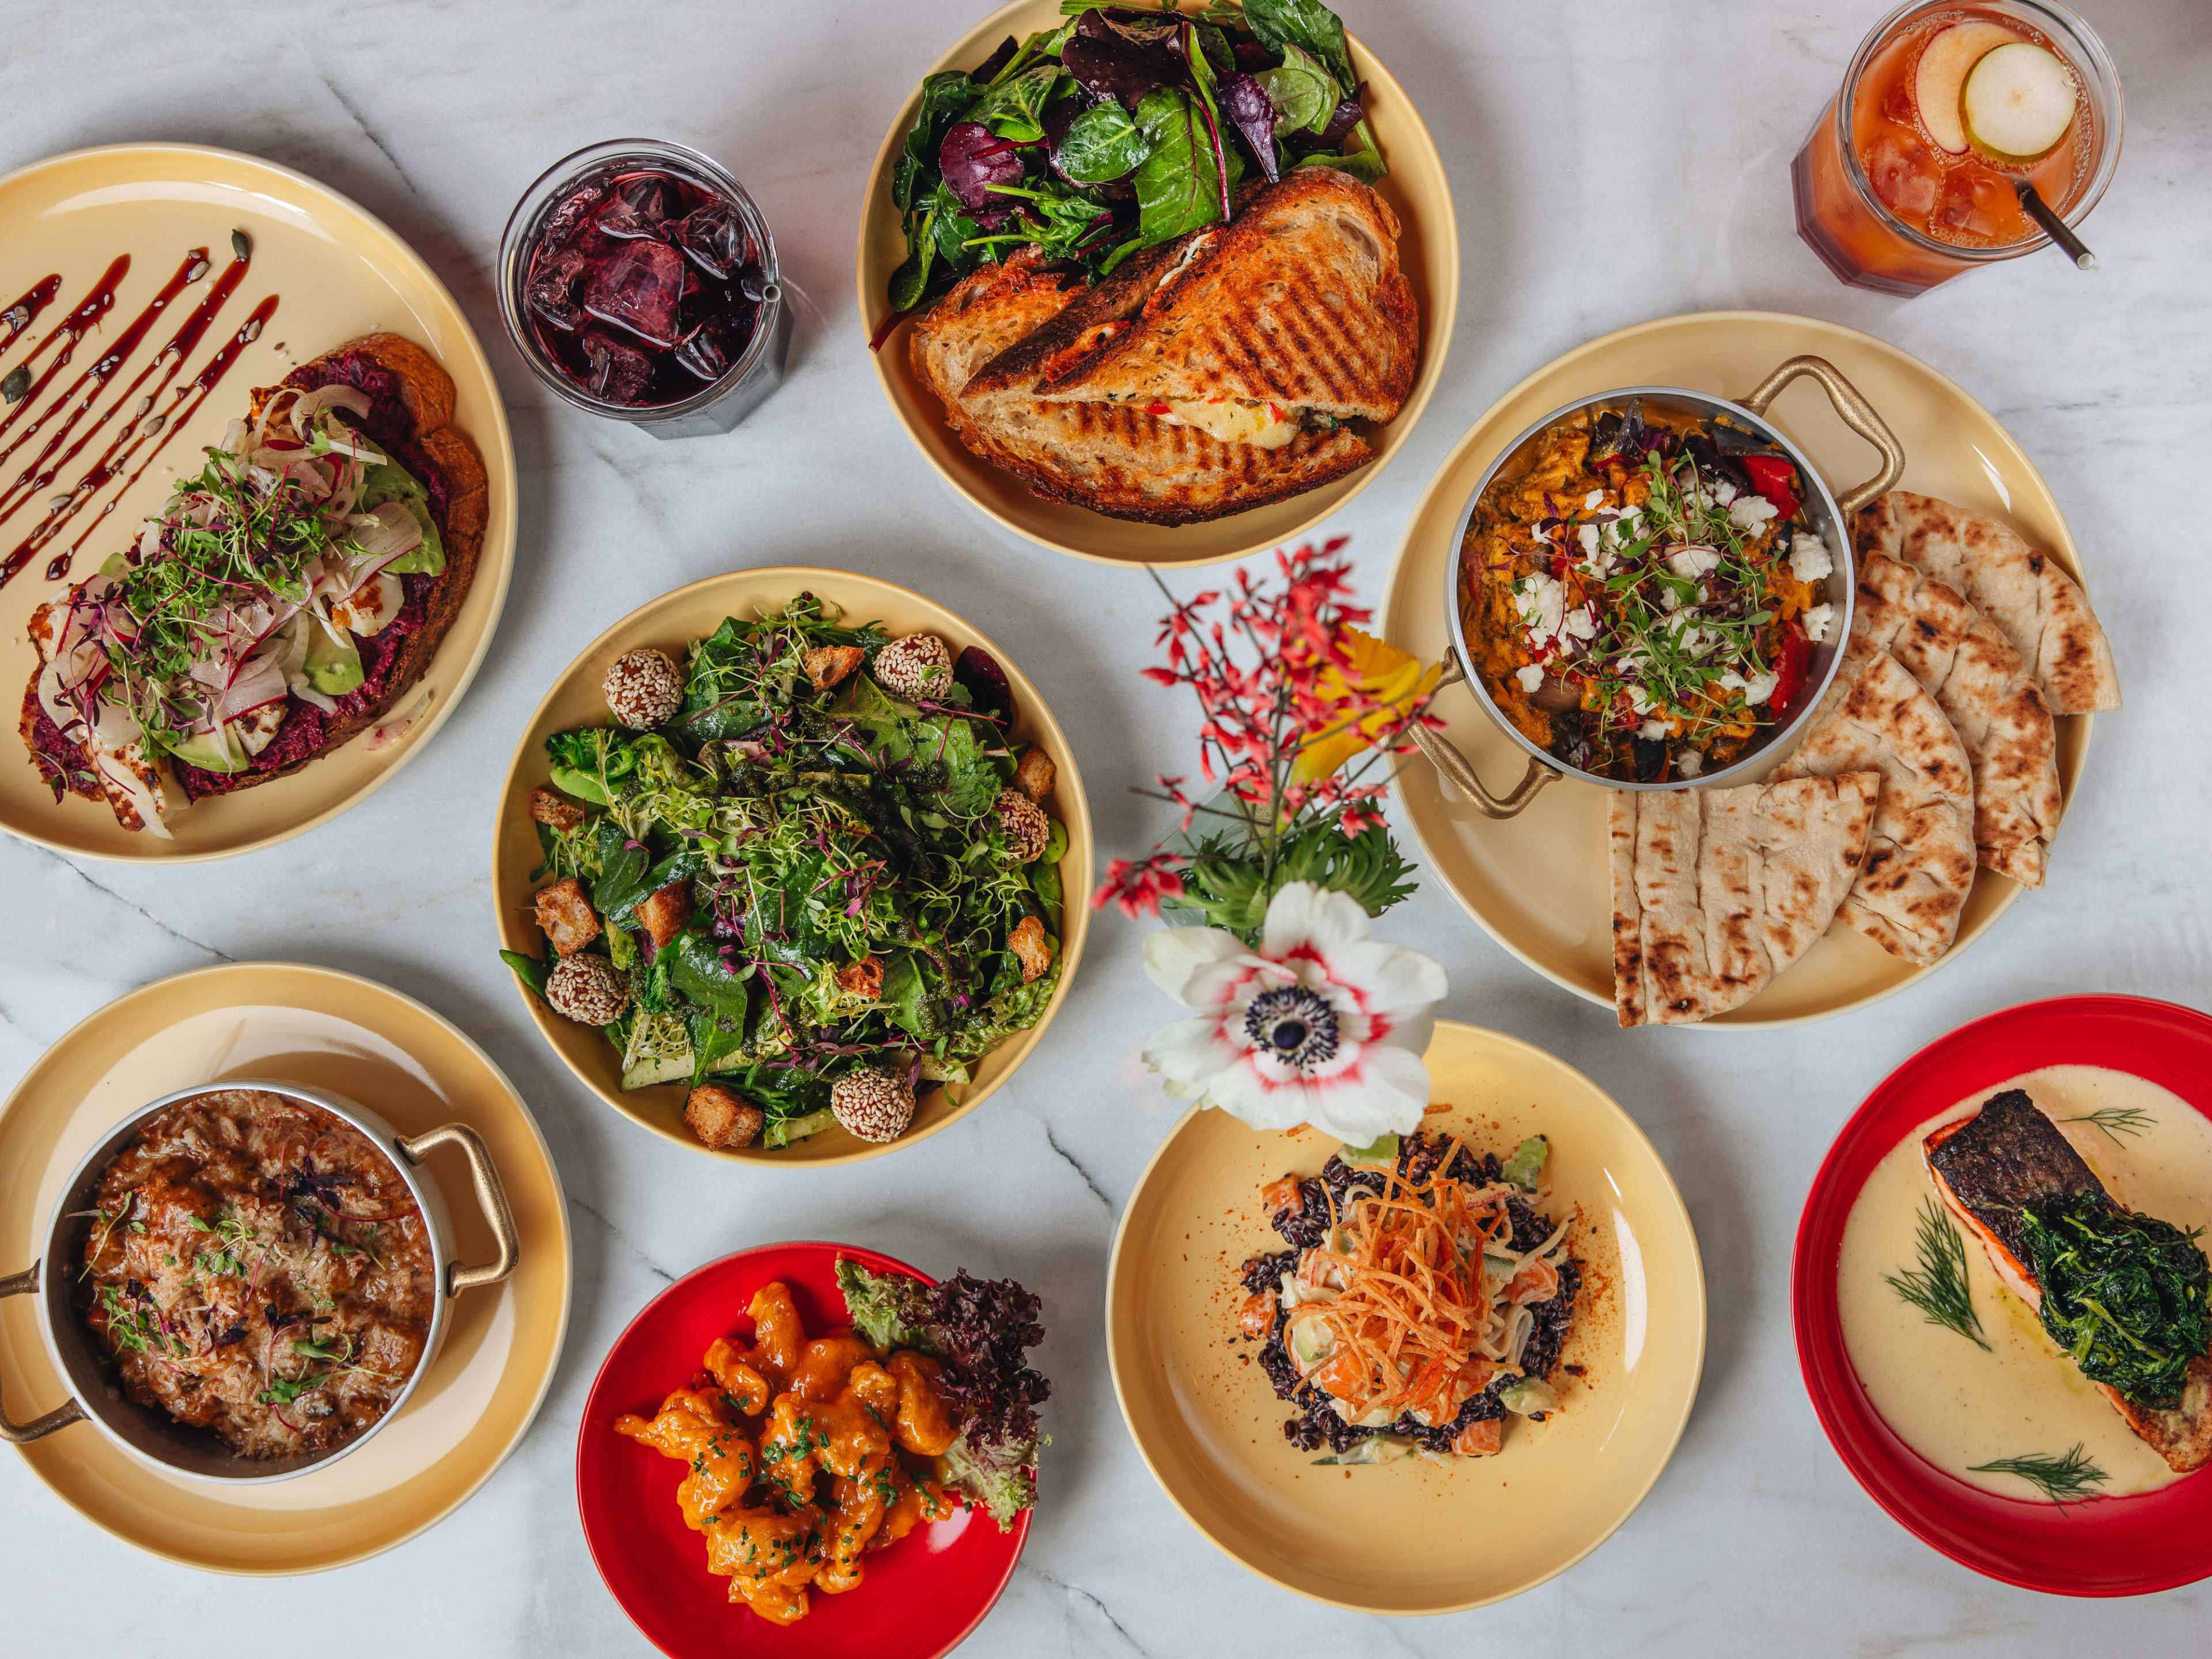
[(2110, 1547), (922, 1596)]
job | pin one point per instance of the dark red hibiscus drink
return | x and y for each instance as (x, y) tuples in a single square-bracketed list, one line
[(640, 283)]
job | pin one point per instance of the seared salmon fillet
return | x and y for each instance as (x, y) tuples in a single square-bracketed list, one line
[(1987, 1167)]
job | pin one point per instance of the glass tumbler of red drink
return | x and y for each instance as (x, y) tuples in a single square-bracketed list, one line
[(1896, 192), (638, 280)]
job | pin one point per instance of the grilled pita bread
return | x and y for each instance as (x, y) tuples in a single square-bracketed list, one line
[(1008, 350), (1298, 302), (1920, 853), (1715, 891), (2034, 604), (1987, 693)]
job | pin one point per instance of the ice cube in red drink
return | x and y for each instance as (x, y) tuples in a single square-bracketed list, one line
[(552, 286), (637, 288), (1904, 174), (620, 372), (715, 238), (640, 208)]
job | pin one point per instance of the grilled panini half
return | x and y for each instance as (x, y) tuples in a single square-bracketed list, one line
[(1990, 1168)]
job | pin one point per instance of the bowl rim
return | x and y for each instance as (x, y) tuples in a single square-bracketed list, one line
[(496, 441), (1842, 580), (1075, 910), (1640, 1137), (98, 1405), (1437, 330)]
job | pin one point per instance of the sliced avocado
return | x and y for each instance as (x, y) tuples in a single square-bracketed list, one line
[(212, 751), (332, 668), (391, 482), (1384, 1152), (1525, 1168)]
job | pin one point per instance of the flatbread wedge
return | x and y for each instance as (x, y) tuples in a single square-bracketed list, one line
[(1920, 853), (1988, 694), (1715, 891), (2034, 604)]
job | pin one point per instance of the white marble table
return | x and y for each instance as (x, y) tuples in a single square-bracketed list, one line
[(1612, 163)]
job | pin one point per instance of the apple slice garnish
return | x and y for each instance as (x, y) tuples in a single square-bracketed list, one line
[(2017, 103), (1941, 78)]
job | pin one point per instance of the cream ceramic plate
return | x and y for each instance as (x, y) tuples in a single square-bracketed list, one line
[(1428, 248), (336, 273), (1538, 883), (313, 1026), (1412, 1537), (672, 621)]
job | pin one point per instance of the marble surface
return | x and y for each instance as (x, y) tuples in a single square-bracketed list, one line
[(1612, 163)]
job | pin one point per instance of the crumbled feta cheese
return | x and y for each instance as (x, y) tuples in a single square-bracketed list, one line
[(1723, 492), (1542, 602), (1819, 619), (1669, 599), (1731, 681), (1809, 560), (1587, 535), (1579, 623), (1693, 561), (1652, 729), (1748, 513), (1594, 501), (1689, 764), (1530, 676), (1640, 699), (1759, 688)]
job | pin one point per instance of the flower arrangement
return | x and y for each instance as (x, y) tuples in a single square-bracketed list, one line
[(1300, 1018)]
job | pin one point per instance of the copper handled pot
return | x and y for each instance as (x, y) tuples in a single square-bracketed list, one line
[(1830, 516), (150, 1433)]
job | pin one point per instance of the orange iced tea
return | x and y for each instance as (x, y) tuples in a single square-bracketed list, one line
[(1911, 175)]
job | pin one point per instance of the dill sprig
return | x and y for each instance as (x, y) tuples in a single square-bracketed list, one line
[(1939, 1287), (2117, 1121), (2072, 1478)]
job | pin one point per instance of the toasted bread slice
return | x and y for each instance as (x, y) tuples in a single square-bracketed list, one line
[(1119, 461), (1299, 301)]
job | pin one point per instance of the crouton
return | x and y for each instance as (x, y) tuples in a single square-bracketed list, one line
[(864, 978), (548, 808), (567, 915), (663, 914), (1028, 942), (722, 1117), (1035, 774), (826, 664)]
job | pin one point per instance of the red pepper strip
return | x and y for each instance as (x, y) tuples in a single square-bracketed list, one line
[(1776, 479), (1789, 672)]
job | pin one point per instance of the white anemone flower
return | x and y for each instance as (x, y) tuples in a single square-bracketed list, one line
[(1320, 1026)]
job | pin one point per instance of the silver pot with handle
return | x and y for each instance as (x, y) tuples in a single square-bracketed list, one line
[(150, 1433), (1831, 515)]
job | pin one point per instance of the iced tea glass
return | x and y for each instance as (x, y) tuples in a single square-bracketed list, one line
[(1887, 206)]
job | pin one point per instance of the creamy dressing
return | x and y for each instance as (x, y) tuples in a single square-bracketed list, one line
[(1952, 1403)]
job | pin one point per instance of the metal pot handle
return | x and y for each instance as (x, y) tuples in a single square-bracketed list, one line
[(1854, 411), (1444, 756), (491, 1198), (25, 1283)]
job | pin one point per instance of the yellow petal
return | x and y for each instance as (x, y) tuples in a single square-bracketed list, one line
[(1383, 670)]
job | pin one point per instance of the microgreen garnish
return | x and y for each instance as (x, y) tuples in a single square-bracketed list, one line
[(1939, 1287), (2071, 1479)]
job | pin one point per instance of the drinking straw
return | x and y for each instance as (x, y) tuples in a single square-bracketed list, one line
[(2057, 228)]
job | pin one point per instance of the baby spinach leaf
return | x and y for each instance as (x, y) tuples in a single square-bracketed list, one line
[(624, 871), (1014, 108), (530, 972), (1102, 144), (1302, 91), (695, 968), (1308, 24), (1364, 165), (945, 95), (914, 1010), (716, 1036), (1178, 183)]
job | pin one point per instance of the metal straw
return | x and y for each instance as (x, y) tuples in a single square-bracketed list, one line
[(2053, 226)]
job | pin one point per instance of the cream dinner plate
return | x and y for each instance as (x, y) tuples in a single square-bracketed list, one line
[(335, 273), (672, 621), (1538, 883), (332, 1030), (1416, 1536), (1428, 249)]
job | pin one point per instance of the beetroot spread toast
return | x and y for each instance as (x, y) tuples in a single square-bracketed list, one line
[(284, 601)]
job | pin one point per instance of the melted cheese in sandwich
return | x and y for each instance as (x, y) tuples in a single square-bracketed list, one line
[(1268, 426)]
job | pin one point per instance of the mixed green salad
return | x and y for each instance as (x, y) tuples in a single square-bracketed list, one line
[(1126, 127), (852, 879)]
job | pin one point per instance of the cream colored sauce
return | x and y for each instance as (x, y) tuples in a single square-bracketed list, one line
[(1952, 1403)]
